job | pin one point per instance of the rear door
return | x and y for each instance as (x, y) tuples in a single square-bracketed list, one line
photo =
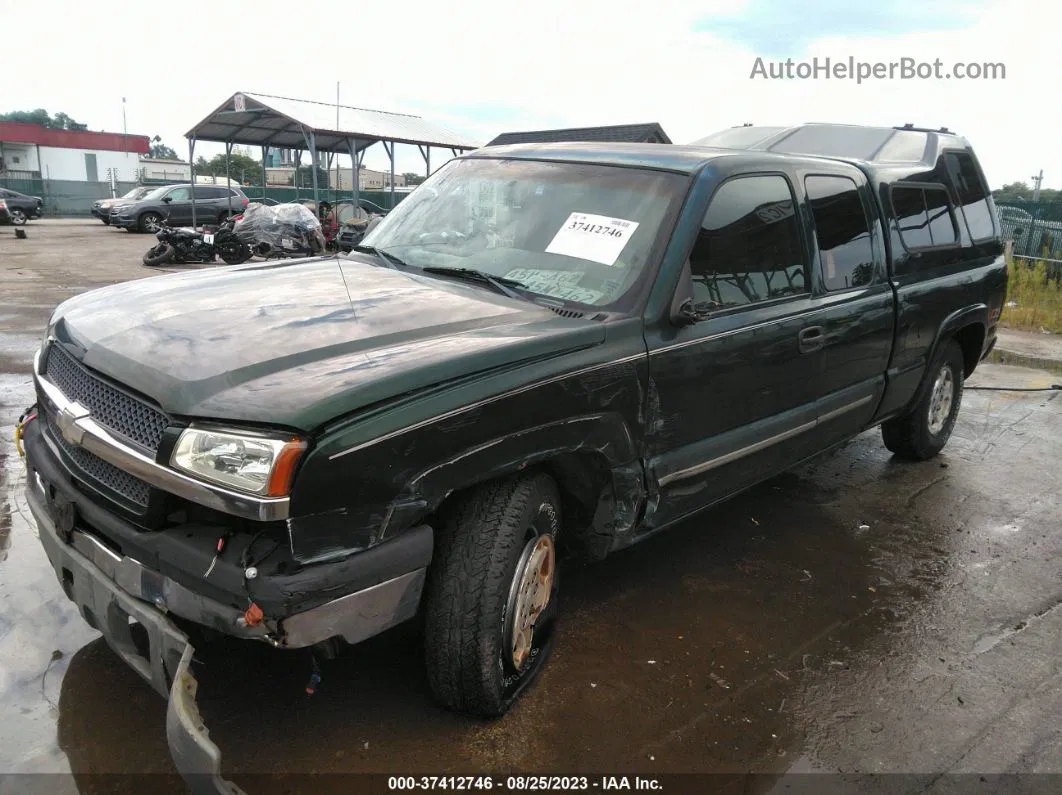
[(732, 397), (852, 293)]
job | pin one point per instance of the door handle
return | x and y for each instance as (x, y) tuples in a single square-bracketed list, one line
[(811, 339)]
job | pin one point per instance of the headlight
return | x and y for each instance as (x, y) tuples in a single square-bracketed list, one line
[(256, 464)]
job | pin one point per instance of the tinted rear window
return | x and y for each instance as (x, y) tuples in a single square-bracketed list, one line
[(924, 216), (972, 193)]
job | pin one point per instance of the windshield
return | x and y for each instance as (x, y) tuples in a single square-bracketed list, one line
[(156, 193), (137, 193), (570, 231)]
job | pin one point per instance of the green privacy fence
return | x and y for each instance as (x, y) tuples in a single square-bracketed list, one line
[(74, 198), (65, 197), (1034, 227)]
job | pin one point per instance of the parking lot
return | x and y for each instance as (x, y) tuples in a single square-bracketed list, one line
[(856, 615)]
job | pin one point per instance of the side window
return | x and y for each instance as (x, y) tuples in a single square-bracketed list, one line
[(842, 232), (924, 216), (972, 193), (204, 192), (748, 249), (941, 222), (179, 194)]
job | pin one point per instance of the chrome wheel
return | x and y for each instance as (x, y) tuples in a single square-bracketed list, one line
[(529, 595), (18, 218), (152, 222), (941, 399)]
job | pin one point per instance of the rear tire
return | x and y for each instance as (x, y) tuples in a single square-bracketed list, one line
[(18, 217), (492, 594), (159, 255), (922, 433)]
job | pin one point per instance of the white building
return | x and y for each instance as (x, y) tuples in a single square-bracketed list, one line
[(31, 152), (164, 170)]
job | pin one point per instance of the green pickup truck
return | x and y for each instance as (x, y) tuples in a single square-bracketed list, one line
[(544, 351)]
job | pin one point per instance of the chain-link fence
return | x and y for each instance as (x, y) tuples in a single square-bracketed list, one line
[(1034, 227)]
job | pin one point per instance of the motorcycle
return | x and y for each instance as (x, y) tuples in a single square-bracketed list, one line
[(280, 231), (185, 245)]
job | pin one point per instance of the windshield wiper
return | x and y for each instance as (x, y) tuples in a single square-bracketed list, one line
[(388, 259), (499, 283)]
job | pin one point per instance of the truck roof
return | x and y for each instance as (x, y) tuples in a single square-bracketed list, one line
[(906, 146)]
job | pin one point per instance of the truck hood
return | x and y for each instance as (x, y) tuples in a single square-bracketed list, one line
[(299, 343)]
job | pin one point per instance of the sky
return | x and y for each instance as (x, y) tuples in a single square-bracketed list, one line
[(485, 68)]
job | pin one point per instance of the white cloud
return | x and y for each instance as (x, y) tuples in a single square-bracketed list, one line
[(557, 63)]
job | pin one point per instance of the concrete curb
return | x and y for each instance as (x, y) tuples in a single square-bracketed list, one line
[(1000, 356)]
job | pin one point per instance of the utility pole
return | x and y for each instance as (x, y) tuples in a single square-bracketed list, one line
[(1037, 180)]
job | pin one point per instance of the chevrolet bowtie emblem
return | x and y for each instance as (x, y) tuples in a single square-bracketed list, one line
[(67, 422)]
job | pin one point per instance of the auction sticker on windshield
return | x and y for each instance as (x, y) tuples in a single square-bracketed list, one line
[(597, 238)]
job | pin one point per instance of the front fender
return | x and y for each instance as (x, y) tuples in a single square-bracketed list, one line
[(606, 435)]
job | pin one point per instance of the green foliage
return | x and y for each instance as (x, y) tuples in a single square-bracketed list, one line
[(160, 151), (42, 118), (243, 169), (413, 179), (1036, 293), (1020, 191)]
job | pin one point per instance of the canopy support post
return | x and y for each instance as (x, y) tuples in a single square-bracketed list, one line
[(389, 147), (191, 163), (265, 157), (228, 168)]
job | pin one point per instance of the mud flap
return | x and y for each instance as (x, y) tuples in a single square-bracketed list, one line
[(197, 758)]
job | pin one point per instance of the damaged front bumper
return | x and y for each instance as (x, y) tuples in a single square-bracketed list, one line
[(167, 663), (377, 590)]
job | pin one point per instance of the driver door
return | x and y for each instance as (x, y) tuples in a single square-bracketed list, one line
[(178, 206), (732, 396)]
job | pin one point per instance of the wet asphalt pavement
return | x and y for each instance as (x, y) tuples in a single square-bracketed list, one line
[(857, 615)]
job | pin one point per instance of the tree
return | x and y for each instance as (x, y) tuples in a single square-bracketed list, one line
[(1017, 192), (242, 168), (159, 150), (1012, 191), (42, 118), (413, 179)]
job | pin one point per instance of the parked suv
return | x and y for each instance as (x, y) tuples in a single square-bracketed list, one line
[(16, 208), (102, 208), (544, 347), (172, 204)]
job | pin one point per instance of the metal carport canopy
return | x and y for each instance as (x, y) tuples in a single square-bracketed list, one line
[(274, 122), (282, 123)]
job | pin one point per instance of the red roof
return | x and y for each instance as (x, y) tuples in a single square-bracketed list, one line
[(17, 133)]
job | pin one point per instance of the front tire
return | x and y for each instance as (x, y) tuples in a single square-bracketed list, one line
[(923, 432), (492, 594), (159, 255), (18, 217), (149, 222)]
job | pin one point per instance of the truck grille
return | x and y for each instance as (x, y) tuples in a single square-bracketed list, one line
[(98, 471), (132, 418)]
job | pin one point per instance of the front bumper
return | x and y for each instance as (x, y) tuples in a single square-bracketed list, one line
[(124, 222), (89, 550), (167, 664)]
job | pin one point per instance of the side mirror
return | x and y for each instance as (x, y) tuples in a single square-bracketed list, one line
[(167, 199), (685, 314)]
